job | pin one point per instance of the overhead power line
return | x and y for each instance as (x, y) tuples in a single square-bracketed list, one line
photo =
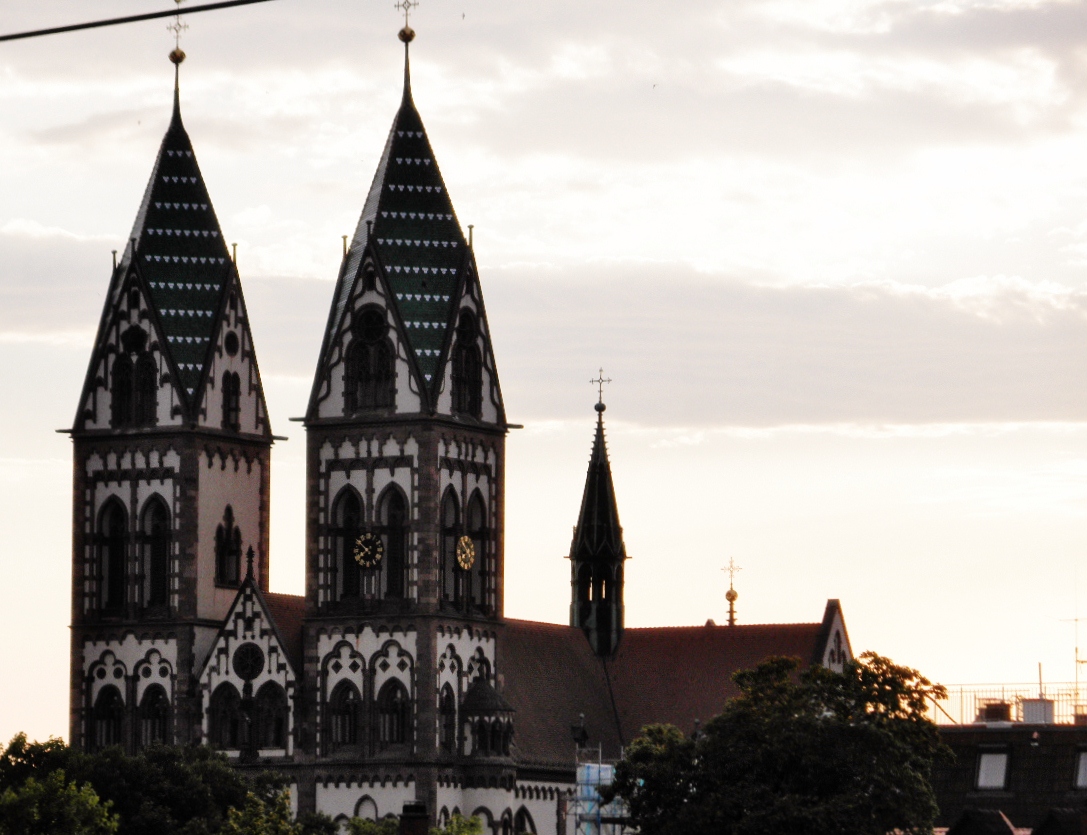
[(115, 21)]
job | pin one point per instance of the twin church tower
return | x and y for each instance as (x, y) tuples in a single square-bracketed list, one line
[(385, 682)]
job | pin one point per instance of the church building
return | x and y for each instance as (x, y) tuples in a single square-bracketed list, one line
[(397, 677)]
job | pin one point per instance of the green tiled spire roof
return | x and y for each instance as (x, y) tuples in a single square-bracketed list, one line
[(181, 254), (415, 233)]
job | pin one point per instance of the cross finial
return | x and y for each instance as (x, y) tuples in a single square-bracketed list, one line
[(406, 6), (599, 383), (178, 26), (732, 570)]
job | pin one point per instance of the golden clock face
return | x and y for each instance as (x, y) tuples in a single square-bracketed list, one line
[(369, 549), (466, 553)]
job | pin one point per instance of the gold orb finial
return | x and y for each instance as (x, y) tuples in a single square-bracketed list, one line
[(177, 56), (407, 34), (731, 595)]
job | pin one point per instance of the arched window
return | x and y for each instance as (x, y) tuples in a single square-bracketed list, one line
[(497, 736), (477, 531), (393, 515), (112, 538), (120, 391), (447, 708), (227, 726), (450, 532), (154, 717), (523, 823), (369, 366), (343, 715), (393, 715), (145, 407), (107, 719), (156, 556), (272, 716), (228, 550), (232, 401), (507, 823), (467, 368), (584, 592), (347, 516)]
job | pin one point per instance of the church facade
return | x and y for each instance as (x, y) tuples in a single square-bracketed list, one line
[(396, 677)]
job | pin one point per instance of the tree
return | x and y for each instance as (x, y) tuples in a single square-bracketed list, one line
[(362, 826), (817, 752), (460, 826), (262, 817), (53, 806)]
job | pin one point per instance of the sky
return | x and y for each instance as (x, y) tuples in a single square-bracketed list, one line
[(832, 253)]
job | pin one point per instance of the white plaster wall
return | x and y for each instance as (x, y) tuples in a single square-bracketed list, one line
[(125, 656), (336, 800), (237, 484)]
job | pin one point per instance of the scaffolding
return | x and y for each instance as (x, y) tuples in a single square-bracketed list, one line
[(585, 810)]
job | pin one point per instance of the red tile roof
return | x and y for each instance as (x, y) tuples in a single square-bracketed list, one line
[(287, 611)]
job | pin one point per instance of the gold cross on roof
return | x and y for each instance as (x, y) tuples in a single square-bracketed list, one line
[(599, 383), (177, 27), (731, 569), (406, 6)]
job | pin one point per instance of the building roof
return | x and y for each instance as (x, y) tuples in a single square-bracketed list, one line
[(287, 612), (598, 535), (181, 254), (982, 822), (671, 675), (481, 698), (408, 220)]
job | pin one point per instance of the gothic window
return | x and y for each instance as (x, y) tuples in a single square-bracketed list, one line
[(584, 592), (477, 531), (133, 386), (343, 715), (228, 550), (227, 725), (447, 710), (156, 558), (112, 538), (146, 404), (107, 719), (393, 715), (467, 368), (347, 513), (523, 823), (369, 366), (272, 716), (232, 399), (154, 715), (507, 823), (392, 512), (450, 532), (120, 391)]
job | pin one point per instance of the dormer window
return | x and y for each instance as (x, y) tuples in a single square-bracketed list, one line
[(467, 367), (369, 367)]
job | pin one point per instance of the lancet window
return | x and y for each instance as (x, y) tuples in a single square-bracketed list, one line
[(228, 550), (156, 553), (133, 382), (227, 726), (467, 367), (480, 584), (343, 715), (450, 517), (347, 525), (393, 516), (232, 401), (447, 709), (393, 715), (369, 365), (107, 719), (154, 717), (272, 716), (112, 542)]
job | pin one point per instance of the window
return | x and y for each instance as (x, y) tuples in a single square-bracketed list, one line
[(227, 727), (154, 717), (393, 715), (523, 823), (343, 715), (107, 719), (228, 550), (392, 511), (156, 560), (272, 716), (467, 368), (369, 366), (992, 770), (232, 398), (450, 532), (1081, 770), (477, 530), (133, 384), (447, 734), (112, 538), (120, 391), (347, 513)]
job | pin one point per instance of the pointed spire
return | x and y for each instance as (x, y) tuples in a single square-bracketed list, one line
[(407, 35), (598, 536)]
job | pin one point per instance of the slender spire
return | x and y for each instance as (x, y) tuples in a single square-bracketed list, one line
[(407, 35)]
